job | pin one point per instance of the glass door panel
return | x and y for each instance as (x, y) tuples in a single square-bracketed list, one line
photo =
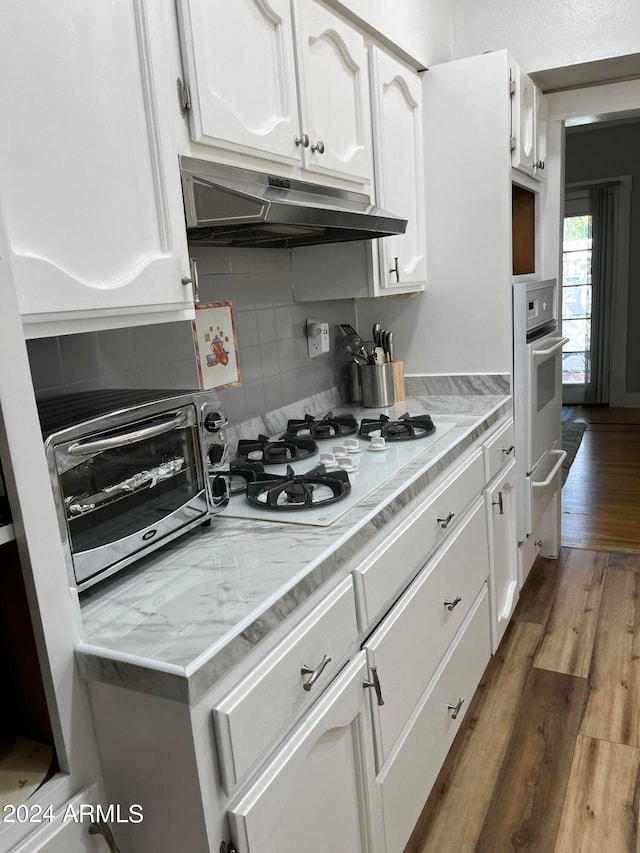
[(577, 254)]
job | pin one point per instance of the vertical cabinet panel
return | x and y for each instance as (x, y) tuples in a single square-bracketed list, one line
[(334, 94), (241, 70), (500, 500), (523, 123), (399, 171), (94, 215), (321, 785)]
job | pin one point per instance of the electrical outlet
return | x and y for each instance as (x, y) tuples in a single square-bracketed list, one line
[(317, 338)]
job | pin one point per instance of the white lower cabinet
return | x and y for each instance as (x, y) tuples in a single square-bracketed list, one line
[(408, 775), (72, 829), (412, 639), (319, 792), (500, 499)]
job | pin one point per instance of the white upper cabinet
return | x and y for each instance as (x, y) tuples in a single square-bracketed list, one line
[(292, 89), (91, 197), (528, 124), (239, 59), (399, 172), (334, 94)]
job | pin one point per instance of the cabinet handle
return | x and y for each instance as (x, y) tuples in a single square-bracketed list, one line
[(451, 604), (499, 503), (508, 450), (455, 709), (303, 140), (395, 269), (319, 147), (314, 673), (193, 263), (227, 848), (444, 522), (375, 684), (101, 827)]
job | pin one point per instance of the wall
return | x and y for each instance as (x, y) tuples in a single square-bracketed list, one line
[(422, 28), (274, 364), (608, 152), (546, 34)]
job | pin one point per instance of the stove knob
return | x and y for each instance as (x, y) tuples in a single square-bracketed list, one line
[(216, 452), (214, 421)]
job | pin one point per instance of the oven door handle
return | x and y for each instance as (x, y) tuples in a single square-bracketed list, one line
[(543, 353), (562, 454), (86, 448)]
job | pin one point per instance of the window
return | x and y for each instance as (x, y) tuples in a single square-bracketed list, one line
[(577, 253)]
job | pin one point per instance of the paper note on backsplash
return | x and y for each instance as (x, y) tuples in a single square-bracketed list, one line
[(216, 349)]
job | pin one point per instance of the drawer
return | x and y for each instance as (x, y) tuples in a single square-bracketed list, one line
[(252, 716), (408, 776), (543, 485), (498, 450), (413, 638), (386, 571)]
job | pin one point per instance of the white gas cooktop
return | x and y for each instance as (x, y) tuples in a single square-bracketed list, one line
[(374, 469)]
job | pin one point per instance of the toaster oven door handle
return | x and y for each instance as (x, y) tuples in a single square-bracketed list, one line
[(85, 448)]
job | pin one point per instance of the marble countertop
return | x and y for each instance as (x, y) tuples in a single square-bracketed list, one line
[(182, 618)]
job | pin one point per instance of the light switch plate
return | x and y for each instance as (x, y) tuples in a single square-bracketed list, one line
[(317, 338)]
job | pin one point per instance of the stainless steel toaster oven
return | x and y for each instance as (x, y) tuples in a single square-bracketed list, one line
[(130, 470)]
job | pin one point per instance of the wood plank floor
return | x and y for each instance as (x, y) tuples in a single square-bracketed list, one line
[(548, 756)]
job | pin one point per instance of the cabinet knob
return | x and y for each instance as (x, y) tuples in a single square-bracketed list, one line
[(540, 164), (375, 684), (455, 709), (101, 827), (319, 147), (314, 673), (444, 522), (451, 604), (499, 503), (508, 450), (303, 140)]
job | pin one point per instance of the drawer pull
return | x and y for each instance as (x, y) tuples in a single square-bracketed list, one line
[(314, 673), (508, 450), (455, 709), (451, 604), (375, 684), (444, 522), (101, 827), (499, 503)]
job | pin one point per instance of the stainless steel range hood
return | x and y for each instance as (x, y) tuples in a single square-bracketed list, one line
[(225, 206)]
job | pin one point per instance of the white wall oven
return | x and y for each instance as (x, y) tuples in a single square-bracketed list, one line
[(537, 399)]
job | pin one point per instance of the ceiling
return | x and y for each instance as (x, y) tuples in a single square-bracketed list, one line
[(614, 70)]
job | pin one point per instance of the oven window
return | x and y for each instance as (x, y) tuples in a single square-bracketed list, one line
[(120, 491), (546, 383)]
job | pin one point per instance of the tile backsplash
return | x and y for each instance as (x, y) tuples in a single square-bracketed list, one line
[(274, 364)]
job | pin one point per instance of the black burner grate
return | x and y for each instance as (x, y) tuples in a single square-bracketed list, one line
[(405, 428), (279, 452), (329, 426), (311, 490)]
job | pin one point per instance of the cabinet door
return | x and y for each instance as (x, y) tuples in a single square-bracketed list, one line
[(319, 792), (67, 831), (500, 500), (523, 123), (91, 197), (399, 173), (334, 94), (241, 73), (541, 135)]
